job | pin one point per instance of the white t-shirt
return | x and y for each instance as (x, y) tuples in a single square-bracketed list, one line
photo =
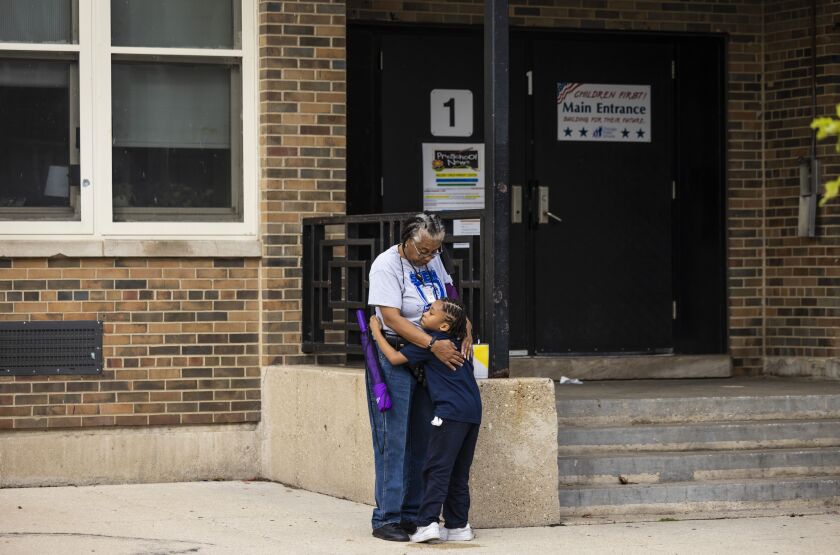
[(395, 282)]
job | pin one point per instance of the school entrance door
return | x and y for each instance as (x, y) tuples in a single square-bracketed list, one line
[(616, 167)]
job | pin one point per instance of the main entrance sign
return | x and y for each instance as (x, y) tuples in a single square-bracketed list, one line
[(596, 112)]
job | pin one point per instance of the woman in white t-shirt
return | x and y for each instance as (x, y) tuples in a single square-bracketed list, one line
[(404, 281)]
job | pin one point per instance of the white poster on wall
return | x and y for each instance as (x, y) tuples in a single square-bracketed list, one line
[(594, 112), (453, 176)]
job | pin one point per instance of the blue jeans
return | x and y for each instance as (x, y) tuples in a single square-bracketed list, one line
[(400, 437)]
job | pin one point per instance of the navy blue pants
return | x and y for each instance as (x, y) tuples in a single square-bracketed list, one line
[(447, 474), (400, 436)]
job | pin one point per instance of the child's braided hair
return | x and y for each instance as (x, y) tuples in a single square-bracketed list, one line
[(456, 315)]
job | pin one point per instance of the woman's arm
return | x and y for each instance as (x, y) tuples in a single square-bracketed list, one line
[(394, 357), (444, 350)]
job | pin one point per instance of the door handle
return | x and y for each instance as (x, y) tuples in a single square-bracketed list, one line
[(553, 216), (543, 213), (516, 204)]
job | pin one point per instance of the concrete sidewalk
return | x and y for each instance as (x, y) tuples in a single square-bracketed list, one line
[(263, 517)]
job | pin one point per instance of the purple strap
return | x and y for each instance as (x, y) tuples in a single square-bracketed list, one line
[(451, 292)]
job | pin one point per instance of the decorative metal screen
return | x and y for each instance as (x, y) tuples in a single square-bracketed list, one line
[(337, 254), (50, 348)]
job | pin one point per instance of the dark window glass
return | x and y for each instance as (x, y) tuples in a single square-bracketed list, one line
[(38, 152)]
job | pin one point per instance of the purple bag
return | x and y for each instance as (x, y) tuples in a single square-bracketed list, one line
[(380, 390)]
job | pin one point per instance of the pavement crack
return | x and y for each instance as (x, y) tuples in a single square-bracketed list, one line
[(104, 536)]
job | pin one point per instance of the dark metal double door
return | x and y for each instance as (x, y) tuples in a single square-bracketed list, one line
[(592, 257), (626, 258)]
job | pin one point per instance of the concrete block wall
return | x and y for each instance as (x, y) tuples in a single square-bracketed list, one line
[(316, 435), (130, 455)]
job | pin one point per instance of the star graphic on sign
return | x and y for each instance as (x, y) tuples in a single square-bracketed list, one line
[(583, 132), (567, 132), (640, 133), (625, 133)]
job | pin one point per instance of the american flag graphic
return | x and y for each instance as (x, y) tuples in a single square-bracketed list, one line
[(563, 89)]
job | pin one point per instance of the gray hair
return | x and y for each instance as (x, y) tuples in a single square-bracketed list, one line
[(424, 223)]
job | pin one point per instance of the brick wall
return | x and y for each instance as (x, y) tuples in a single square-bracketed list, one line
[(303, 139), (185, 338), (803, 275), (743, 22), (181, 341)]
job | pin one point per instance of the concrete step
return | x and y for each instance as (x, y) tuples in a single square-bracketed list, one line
[(682, 466), (684, 497), (636, 367), (749, 434), (687, 401)]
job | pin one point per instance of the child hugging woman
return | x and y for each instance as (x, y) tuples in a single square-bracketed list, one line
[(457, 406)]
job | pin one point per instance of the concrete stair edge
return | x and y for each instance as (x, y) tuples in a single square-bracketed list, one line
[(744, 434), (680, 466), (648, 411), (622, 367), (683, 497)]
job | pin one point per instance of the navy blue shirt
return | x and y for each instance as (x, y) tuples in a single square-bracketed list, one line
[(454, 393)]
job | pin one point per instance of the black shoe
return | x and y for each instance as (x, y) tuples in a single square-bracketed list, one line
[(408, 526), (390, 532)]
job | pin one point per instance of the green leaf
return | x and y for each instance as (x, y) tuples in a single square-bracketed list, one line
[(826, 127), (819, 123), (832, 189)]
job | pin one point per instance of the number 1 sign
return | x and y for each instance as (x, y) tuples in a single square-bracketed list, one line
[(451, 112)]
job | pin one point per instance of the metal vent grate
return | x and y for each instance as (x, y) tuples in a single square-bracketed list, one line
[(50, 348)]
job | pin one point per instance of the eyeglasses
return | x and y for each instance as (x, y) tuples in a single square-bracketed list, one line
[(423, 254)]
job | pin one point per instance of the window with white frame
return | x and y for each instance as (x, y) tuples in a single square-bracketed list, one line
[(128, 117)]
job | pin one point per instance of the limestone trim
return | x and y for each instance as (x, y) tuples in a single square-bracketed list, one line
[(93, 248)]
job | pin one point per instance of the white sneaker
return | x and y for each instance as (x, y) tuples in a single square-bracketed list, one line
[(464, 534), (426, 533)]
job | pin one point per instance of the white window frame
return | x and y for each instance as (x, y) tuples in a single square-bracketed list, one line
[(95, 57)]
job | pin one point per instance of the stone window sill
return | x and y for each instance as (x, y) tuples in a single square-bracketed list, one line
[(127, 248)]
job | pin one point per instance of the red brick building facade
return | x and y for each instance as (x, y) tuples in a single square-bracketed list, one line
[(189, 327)]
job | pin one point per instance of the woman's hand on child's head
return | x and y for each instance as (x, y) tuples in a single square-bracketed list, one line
[(374, 323)]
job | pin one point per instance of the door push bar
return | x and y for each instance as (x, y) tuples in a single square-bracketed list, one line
[(542, 208)]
